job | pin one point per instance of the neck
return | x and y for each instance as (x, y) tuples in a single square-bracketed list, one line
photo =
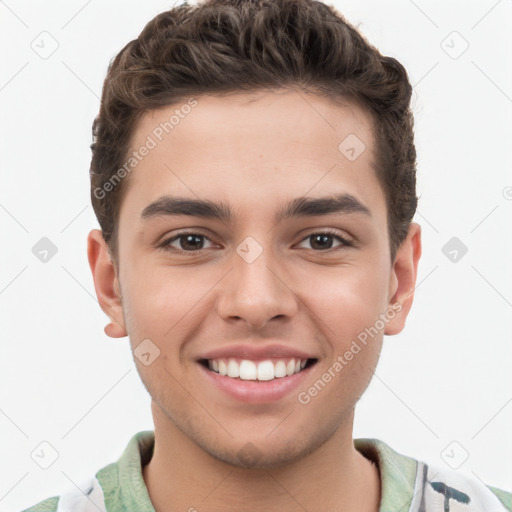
[(183, 476)]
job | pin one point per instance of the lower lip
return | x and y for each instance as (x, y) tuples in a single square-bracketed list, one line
[(259, 391)]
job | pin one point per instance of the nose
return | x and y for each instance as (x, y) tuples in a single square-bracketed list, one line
[(257, 292)]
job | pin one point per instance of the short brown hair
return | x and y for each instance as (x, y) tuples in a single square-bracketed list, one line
[(232, 46)]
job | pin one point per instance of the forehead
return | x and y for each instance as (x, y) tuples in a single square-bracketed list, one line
[(249, 146)]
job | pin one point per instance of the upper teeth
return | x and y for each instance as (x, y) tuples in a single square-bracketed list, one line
[(251, 370)]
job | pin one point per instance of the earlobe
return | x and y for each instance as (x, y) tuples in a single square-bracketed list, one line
[(114, 330), (403, 279), (106, 283)]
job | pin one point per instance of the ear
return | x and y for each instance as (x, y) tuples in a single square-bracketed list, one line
[(106, 283), (403, 279)]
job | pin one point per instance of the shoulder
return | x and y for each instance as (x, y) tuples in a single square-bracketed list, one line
[(111, 487), (504, 496), (73, 499), (441, 486), (48, 505), (424, 486)]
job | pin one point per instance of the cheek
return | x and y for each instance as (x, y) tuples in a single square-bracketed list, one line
[(349, 299), (161, 303), (348, 310)]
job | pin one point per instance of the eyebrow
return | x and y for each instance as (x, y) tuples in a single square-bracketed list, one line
[(298, 207)]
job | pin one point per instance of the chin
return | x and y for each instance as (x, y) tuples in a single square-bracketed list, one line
[(261, 452), (250, 456)]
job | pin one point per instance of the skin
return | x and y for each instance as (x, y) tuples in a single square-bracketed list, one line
[(255, 153)]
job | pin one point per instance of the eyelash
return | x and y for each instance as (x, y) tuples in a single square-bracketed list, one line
[(345, 242)]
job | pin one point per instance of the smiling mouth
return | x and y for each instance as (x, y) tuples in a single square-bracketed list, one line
[(264, 370)]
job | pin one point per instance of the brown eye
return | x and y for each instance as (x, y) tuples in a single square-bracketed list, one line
[(323, 241), (186, 242)]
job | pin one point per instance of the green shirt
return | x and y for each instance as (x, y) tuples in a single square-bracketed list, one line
[(407, 485)]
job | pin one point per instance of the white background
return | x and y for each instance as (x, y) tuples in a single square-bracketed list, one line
[(445, 378)]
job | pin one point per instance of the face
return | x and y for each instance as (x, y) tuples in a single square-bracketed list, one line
[(275, 280)]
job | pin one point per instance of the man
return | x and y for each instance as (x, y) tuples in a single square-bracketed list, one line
[(253, 174)]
